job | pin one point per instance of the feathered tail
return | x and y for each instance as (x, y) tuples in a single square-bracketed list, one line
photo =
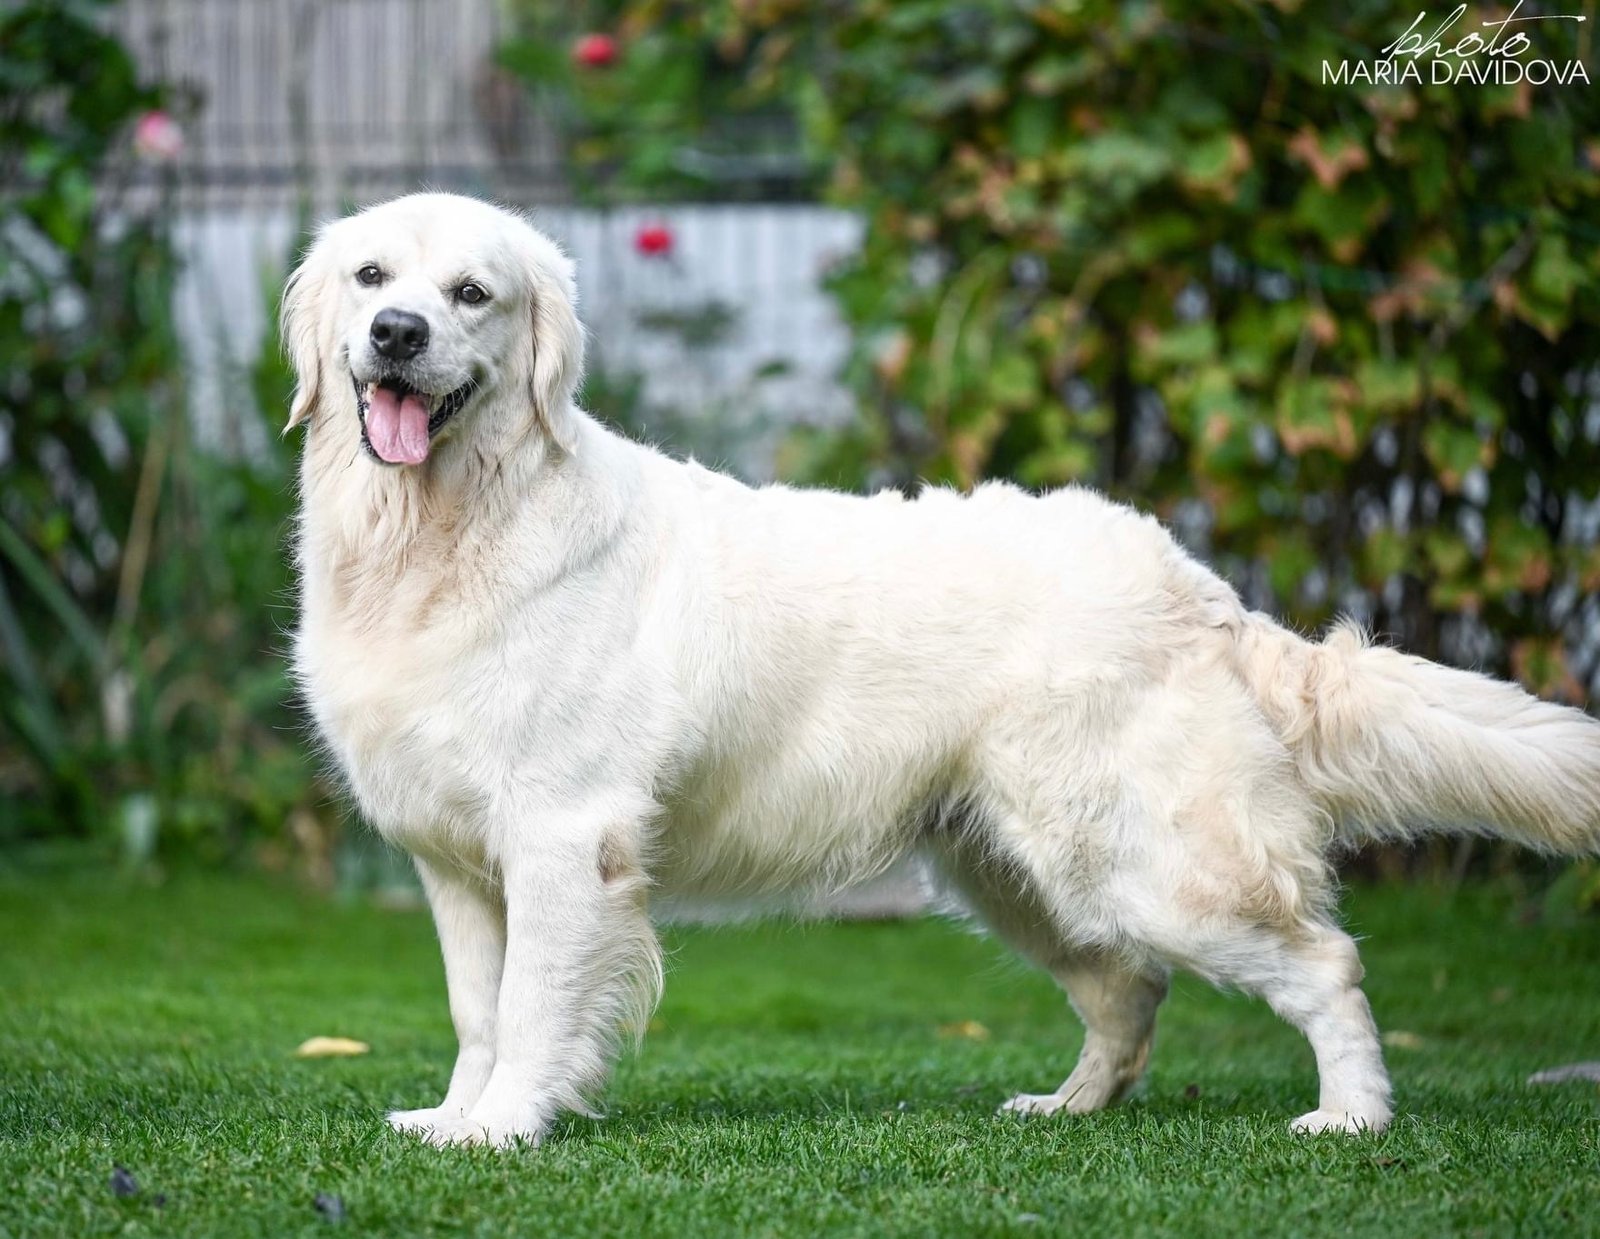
[(1393, 745)]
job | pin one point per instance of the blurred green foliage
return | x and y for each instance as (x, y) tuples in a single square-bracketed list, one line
[(654, 101), (142, 581), (1345, 338)]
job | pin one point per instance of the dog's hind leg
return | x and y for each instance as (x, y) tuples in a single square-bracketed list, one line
[(1310, 974), (1116, 1001), (1320, 994), (1118, 1008), (1244, 903)]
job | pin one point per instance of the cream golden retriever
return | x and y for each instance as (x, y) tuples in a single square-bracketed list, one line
[(564, 671)]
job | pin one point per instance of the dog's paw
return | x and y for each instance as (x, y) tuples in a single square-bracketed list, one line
[(1034, 1103), (420, 1121), (447, 1132), (413, 1119), (1339, 1120)]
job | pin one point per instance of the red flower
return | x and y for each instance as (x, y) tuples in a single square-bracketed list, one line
[(156, 137), (653, 240), (595, 51)]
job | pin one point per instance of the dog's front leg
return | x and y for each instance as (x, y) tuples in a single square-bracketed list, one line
[(470, 918), (580, 961)]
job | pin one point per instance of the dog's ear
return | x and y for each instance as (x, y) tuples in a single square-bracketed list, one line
[(557, 349), (300, 328)]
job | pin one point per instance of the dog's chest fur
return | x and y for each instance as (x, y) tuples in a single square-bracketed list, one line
[(403, 688), (383, 691), (460, 692)]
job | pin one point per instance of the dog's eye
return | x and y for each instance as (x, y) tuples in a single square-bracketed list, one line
[(471, 294), (370, 275)]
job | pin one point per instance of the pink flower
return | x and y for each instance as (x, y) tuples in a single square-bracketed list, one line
[(595, 51), (654, 240), (157, 137)]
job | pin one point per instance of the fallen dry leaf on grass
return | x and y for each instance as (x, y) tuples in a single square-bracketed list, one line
[(331, 1047), (970, 1029)]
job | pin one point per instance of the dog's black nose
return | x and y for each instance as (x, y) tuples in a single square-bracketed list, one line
[(398, 334)]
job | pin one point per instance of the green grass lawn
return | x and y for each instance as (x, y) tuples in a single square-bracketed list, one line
[(798, 1081)]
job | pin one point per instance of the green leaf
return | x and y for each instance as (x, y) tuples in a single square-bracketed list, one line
[(34, 572), (1389, 386), (1033, 128), (1385, 553), (1553, 275), (1290, 559), (1013, 380), (1122, 162), (1454, 451), (1214, 161)]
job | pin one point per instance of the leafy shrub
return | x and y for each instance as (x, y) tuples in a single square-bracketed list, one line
[(1345, 338), (654, 100), (141, 696)]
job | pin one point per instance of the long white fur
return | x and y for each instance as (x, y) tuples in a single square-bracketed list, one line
[(563, 670)]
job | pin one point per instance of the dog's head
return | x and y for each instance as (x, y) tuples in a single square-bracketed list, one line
[(431, 310)]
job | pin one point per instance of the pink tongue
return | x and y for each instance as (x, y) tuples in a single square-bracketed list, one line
[(396, 428)]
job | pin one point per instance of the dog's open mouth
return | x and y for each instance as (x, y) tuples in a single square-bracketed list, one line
[(398, 422)]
